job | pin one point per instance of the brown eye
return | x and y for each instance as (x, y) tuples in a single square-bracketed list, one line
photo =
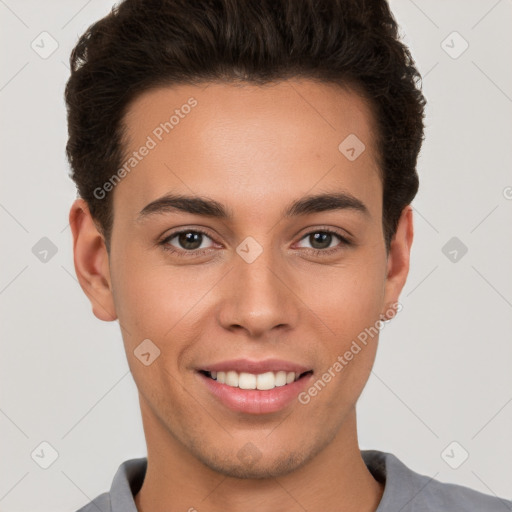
[(190, 241), (321, 241)]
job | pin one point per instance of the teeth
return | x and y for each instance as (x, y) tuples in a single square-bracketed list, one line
[(232, 379), (280, 378), (262, 381), (266, 381), (246, 381)]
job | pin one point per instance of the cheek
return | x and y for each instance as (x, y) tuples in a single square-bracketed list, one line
[(349, 303), (347, 298), (152, 303), (154, 300), (157, 301)]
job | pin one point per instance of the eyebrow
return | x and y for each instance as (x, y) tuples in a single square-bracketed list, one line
[(210, 208)]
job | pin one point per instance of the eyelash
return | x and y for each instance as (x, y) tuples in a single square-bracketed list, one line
[(199, 252)]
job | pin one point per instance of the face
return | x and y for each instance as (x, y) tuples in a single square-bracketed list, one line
[(248, 283)]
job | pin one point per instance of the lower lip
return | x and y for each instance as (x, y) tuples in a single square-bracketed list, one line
[(254, 401)]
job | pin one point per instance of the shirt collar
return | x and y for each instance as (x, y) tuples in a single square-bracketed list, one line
[(399, 482), (126, 484)]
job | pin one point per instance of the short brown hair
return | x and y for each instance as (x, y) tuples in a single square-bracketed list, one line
[(143, 44)]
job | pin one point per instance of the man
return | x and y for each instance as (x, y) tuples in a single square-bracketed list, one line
[(245, 172)]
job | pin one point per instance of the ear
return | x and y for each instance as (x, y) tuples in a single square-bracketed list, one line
[(91, 261), (398, 259)]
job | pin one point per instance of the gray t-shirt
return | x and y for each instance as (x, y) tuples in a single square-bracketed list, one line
[(404, 490)]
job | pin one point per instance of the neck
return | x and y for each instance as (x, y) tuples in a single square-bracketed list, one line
[(336, 479)]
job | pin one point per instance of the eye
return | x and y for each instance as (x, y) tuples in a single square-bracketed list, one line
[(322, 239), (193, 242), (189, 241)]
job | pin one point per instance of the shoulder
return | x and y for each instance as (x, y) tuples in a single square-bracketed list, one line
[(441, 496), (126, 483), (409, 491)]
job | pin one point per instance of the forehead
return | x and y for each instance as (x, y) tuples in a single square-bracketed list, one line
[(249, 142)]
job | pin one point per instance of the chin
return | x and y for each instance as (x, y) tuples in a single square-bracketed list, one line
[(249, 464)]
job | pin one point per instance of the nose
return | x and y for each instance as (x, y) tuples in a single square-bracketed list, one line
[(259, 297)]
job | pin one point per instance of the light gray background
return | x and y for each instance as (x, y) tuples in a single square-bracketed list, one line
[(443, 370)]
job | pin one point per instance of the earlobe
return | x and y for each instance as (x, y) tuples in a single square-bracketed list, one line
[(91, 261), (398, 257)]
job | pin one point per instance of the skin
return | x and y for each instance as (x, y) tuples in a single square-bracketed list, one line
[(255, 150)]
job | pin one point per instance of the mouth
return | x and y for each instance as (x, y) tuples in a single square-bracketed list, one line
[(255, 387), (262, 381)]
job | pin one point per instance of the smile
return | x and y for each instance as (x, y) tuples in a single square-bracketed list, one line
[(255, 387), (262, 381)]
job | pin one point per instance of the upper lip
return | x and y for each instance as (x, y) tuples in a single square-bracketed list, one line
[(256, 367)]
